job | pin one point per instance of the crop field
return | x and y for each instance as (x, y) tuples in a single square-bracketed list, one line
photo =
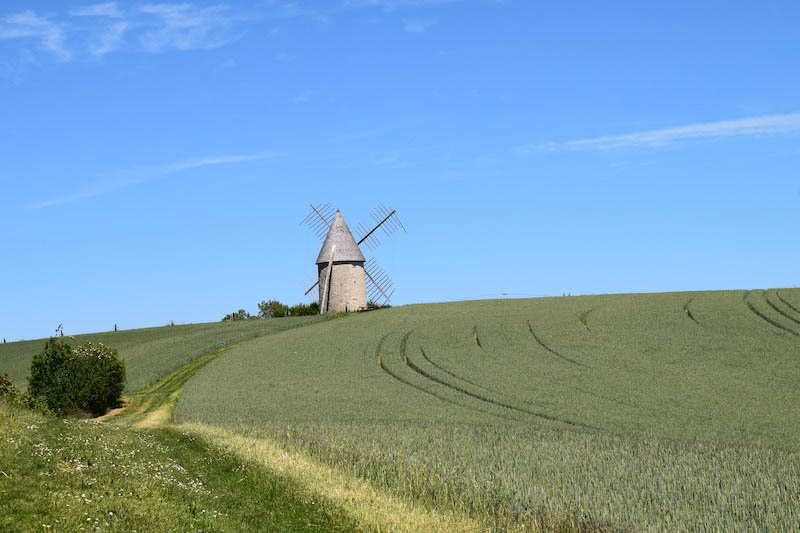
[(150, 353), (645, 411)]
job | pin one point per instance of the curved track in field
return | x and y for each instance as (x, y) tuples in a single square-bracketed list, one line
[(763, 316), (379, 359), (459, 390), (780, 311), (465, 380), (546, 347), (787, 304)]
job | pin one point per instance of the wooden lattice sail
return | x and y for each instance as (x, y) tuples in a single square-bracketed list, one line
[(346, 281)]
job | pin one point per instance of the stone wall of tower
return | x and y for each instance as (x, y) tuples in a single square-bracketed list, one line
[(348, 286)]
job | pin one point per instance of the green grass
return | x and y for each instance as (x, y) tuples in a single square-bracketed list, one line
[(150, 353), (651, 411), (78, 475)]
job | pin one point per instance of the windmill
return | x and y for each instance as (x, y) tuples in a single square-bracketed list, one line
[(346, 280)]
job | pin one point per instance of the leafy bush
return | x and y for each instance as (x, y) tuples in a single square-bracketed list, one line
[(304, 309), (8, 392), (241, 314), (272, 309), (89, 378), (11, 395)]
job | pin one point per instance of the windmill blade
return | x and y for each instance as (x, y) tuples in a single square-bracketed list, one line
[(311, 282), (379, 285), (319, 219), (310, 287), (385, 218)]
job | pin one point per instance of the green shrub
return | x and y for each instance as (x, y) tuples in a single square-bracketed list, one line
[(89, 378), (11, 395), (241, 314), (272, 309), (304, 309)]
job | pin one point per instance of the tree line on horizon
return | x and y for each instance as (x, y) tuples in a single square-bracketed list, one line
[(273, 309)]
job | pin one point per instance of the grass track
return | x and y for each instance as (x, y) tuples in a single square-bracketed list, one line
[(79, 475)]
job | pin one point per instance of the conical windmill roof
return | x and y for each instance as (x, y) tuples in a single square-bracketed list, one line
[(346, 248)]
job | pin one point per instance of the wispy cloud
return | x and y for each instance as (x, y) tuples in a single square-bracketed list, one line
[(136, 176), (28, 25), (187, 27), (110, 40), (196, 162), (98, 29), (108, 9), (746, 127)]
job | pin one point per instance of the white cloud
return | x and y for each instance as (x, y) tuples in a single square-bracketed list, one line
[(186, 27), (109, 41), (100, 28), (108, 9), (746, 127), (149, 174), (29, 25), (187, 164)]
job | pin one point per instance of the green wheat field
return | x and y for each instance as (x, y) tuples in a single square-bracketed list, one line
[(642, 412)]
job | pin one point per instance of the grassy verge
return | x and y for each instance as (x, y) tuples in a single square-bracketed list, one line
[(86, 475), (77, 475), (376, 509)]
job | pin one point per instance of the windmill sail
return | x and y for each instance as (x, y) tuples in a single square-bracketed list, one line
[(319, 219), (348, 282), (379, 284), (386, 219)]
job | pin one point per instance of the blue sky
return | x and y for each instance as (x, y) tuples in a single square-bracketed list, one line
[(156, 158)]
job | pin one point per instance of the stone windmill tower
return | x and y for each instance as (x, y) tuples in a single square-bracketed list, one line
[(346, 280)]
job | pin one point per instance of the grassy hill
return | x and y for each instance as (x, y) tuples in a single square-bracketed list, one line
[(651, 411), (150, 353)]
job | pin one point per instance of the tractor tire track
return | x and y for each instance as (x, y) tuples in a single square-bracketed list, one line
[(767, 319), (393, 375), (443, 369), (780, 311), (461, 390), (787, 304), (543, 345), (456, 376)]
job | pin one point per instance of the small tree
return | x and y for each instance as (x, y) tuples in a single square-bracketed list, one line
[(90, 378), (241, 314), (272, 309)]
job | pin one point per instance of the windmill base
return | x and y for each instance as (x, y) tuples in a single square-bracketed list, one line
[(348, 290)]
